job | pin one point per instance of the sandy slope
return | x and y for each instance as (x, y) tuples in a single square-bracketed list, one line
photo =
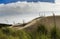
[(47, 21)]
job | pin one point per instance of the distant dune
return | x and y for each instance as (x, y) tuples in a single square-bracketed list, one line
[(47, 21)]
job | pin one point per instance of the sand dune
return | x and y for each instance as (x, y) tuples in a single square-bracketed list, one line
[(47, 21)]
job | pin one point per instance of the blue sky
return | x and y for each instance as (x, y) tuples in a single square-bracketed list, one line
[(10, 1)]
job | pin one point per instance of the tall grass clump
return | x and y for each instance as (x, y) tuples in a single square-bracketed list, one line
[(40, 33), (54, 33)]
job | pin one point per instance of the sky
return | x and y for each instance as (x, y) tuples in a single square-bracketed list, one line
[(11, 1), (18, 10)]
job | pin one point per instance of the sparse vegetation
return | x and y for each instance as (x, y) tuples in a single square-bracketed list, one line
[(41, 33)]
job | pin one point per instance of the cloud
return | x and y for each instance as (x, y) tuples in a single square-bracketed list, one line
[(24, 10), (57, 1), (24, 7)]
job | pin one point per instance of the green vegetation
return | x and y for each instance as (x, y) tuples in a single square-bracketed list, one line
[(40, 33)]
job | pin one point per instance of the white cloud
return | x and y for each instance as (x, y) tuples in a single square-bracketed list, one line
[(24, 10), (25, 7), (57, 1)]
